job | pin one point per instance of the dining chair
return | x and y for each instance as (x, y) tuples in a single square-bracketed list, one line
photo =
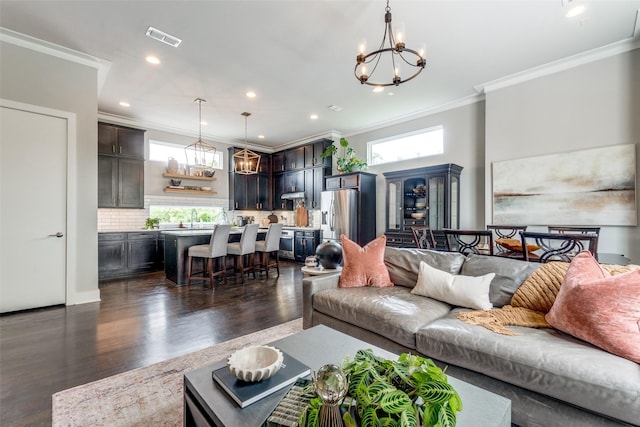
[(558, 246), (507, 240), (242, 249), (267, 249), (469, 241), (216, 250), (423, 237)]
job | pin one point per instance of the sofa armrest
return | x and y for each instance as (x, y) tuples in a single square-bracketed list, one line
[(311, 285)]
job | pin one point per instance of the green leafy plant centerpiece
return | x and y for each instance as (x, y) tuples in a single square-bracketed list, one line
[(151, 223), (348, 162), (411, 391)]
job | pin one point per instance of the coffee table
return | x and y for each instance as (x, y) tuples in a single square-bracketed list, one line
[(206, 404)]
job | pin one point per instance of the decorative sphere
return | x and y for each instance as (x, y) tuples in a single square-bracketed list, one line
[(330, 383), (329, 254)]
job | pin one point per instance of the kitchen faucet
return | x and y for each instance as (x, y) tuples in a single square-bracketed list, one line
[(194, 214)]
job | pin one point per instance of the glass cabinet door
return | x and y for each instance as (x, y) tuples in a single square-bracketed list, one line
[(394, 215), (436, 188), (455, 209)]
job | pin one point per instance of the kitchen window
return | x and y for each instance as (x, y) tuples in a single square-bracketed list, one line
[(170, 215), (422, 143), (161, 151)]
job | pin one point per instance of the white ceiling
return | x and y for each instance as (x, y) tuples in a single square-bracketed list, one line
[(298, 56)]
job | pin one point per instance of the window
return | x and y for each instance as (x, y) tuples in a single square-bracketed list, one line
[(177, 214), (161, 151), (425, 142)]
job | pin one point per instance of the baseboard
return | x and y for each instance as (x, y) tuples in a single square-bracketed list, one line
[(84, 297)]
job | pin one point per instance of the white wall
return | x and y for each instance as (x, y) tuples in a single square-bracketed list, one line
[(464, 145), (39, 79), (592, 105)]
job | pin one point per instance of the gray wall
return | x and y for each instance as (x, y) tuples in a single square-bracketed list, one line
[(35, 78), (463, 145), (592, 105)]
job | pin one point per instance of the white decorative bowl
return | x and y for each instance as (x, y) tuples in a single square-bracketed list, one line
[(418, 215), (421, 205), (255, 363)]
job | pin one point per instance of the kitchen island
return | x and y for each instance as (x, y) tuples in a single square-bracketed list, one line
[(176, 249)]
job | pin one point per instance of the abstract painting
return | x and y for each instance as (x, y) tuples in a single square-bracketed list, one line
[(587, 187)]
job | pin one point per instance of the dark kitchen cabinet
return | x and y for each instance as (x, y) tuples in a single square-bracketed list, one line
[(278, 191), (277, 162), (428, 196), (124, 254), (294, 182), (312, 154), (249, 192), (313, 186), (120, 167), (305, 244), (294, 159), (120, 141)]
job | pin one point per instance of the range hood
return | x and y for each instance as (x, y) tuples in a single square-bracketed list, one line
[(293, 196)]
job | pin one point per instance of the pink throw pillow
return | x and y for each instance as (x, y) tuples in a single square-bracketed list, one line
[(599, 308), (364, 266)]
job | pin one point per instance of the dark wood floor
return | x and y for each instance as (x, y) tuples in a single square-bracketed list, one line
[(139, 321)]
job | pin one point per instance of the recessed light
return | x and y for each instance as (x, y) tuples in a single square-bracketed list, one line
[(125, 104), (391, 94), (251, 94), (575, 11), (152, 60), (313, 117), (203, 123), (261, 136), (378, 89)]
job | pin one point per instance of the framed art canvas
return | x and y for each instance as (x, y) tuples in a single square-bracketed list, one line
[(586, 187)]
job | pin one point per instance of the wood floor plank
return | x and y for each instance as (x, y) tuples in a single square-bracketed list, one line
[(139, 321)]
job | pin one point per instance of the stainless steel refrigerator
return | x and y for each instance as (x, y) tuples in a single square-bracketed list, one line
[(339, 214)]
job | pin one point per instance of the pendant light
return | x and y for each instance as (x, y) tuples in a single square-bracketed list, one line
[(245, 161), (396, 55), (200, 155)]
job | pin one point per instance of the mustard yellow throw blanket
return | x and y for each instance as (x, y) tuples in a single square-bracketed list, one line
[(531, 301)]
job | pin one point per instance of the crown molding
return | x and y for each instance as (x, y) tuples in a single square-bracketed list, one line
[(467, 100), (51, 49), (567, 63)]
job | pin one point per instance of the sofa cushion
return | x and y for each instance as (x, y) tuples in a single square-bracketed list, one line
[(403, 263), (547, 361), (599, 308), (510, 273), (463, 291), (392, 312), (364, 266)]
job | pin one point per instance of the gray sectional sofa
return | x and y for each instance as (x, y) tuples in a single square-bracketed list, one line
[(551, 378)]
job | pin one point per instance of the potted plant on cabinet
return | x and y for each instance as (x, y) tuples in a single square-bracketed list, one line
[(348, 162)]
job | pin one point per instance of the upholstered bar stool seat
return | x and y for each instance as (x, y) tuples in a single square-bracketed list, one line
[(267, 249), (246, 246), (215, 250)]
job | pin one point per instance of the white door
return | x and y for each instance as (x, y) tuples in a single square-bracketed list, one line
[(33, 200)]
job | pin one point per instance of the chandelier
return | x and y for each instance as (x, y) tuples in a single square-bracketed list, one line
[(397, 52), (200, 155), (245, 161)]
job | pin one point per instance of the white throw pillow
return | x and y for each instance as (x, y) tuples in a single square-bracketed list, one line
[(463, 291)]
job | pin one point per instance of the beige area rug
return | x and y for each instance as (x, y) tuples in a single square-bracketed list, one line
[(149, 396)]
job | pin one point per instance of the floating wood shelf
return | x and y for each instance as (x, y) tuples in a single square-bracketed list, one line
[(178, 190), (201, 178)]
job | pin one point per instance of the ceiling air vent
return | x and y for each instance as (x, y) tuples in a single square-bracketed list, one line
[(163, 37)]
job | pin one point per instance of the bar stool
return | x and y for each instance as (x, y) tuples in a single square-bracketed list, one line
[(216, 249), (246, 246), (268, 247)]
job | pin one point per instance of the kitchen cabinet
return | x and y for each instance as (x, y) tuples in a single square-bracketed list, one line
[(279, 188), (120, 141), (120, 182), (124, 254), (305, 244), (294, 159), (313, 186), (249, 192), (294, 181), (120, 167), (313, 151), (343, 181), (277, 162), (427, 196)]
